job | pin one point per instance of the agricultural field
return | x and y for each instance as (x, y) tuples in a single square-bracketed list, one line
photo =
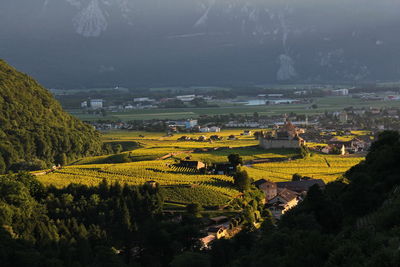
[(179, 184), (153, 146), (318, 166), (247, 153), (185, 185)]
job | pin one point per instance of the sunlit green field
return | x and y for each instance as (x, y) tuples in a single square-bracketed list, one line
[(155, 145), (326, 167), (175, 181), (184, 185)]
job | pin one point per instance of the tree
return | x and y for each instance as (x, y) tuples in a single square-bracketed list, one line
[(304, 152), (241, 180), (194, 209), (191, 259), (248, 214), (2, 165), (199, 102), (61, 159), (258, 134), (235, 159), (297, 177), (117, 148)]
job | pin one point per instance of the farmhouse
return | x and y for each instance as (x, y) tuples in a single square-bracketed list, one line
[(270, 189), (192, 164), (361, 143), (301, 186), (283, 201), (247, 132), (285, 137), (206, 241), (334, 149), (223, 168), (218, 231)]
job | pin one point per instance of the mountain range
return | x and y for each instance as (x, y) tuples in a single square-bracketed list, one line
[(99, 43)]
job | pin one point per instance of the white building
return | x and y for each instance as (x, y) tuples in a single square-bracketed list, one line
[(282, 101), (96, 103), (340, 92), (303, 92), (186, 98), (129, 107), (215, 129), (275, 95), (142, 99), (84, 104), (205, 130), (190, 124)]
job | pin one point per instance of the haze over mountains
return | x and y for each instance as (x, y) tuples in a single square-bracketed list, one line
[(91, 43)]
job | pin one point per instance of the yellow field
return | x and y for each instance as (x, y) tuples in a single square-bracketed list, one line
[(137, 173), (326, 167), (156, 145), (186, 185)]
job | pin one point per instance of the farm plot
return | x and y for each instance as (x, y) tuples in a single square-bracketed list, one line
[(178, 182), (153, 146), (326, 167), (247, 153)]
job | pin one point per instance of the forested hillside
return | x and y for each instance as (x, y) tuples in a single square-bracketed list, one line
[(354, 222), (34, 130), (106, 225)]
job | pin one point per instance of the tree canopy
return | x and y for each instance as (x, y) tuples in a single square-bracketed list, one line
[(34, 129)]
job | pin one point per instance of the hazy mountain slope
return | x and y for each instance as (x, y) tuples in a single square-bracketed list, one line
[(34, 130), (111, 42)]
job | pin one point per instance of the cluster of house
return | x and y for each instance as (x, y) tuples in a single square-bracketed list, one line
[(378, 96), (279, 198), (282, 196), (201, 138), (192, 125), (336, 146)]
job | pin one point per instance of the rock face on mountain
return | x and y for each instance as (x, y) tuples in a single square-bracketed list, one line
[(69, 43), (34, 130)]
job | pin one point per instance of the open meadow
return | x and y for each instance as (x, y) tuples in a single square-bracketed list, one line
[(155, 157)]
